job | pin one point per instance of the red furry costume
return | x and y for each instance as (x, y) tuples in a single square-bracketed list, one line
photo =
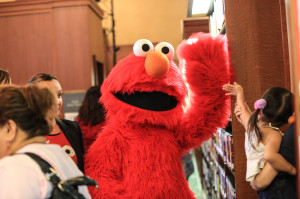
[(138, 153)]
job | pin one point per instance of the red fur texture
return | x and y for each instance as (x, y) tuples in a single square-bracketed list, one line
[(138, 153)]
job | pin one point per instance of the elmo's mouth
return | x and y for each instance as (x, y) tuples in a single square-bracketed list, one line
[(153, 101)]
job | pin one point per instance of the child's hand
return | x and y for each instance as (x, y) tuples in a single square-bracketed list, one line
[(233, 89)]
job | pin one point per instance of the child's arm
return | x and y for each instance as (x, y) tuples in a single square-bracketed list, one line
[(271, 154), (242, 114), (247, 108), (264, 178), (241, 110)]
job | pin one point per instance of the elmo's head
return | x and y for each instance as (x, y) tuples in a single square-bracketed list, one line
[(146, 87)]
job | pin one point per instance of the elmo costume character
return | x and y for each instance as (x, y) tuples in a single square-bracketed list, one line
[(149, 124)]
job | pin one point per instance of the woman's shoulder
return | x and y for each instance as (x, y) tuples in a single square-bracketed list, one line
[(15, 173), (19, 165)]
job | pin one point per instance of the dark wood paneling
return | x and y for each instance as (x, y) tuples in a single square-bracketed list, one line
[(191, 26), (53, 36), (73, 60), (25, 45)]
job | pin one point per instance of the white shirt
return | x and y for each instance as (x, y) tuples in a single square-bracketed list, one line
[(255, 157), (22, 177)]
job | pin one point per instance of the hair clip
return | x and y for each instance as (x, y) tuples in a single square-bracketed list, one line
[(260, 104)]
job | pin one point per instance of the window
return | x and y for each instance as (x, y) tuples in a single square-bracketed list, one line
[(198, 7)]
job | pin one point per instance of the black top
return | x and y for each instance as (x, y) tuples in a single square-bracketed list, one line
[(284, 185), (73, 133), (287, 146)]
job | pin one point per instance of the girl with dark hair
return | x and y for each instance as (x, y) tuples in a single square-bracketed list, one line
[(263, 128), (65, 133), (4, 77), (25, 113), (91, 115)]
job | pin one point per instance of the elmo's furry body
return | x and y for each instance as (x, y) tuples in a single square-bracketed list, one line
[(138, 153)]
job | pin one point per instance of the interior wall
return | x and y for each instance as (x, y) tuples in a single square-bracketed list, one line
[(60, 37), (154, 20)]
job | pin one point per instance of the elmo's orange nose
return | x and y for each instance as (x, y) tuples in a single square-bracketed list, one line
[(157, 64)]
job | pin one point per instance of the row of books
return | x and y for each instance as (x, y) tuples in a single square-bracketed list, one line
[(230, 191), (211, 179), (224, 147), (226, 189), (217, 183), (209, 150)]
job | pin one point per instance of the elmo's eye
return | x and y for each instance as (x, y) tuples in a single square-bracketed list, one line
[(166, 48), (142, 47)]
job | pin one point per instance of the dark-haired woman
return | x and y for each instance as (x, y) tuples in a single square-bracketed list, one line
[(65, 133), (25, 113), (91, 116)]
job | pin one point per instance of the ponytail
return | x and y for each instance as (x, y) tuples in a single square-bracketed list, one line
[(253, 130)]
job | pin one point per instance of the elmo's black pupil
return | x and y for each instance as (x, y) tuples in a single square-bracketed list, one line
[(165, 50), (145, 47)]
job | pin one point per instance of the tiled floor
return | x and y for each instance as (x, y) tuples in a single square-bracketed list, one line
[(194, 186)]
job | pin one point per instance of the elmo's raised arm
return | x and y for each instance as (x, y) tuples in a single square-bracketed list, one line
[(205, 63)]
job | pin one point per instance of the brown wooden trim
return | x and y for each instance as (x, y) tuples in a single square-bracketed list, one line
[(25, 12), (193, 25), (294, 49), (30, 6), (285, 46)]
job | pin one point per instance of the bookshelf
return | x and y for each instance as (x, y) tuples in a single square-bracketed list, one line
[(218, 172)]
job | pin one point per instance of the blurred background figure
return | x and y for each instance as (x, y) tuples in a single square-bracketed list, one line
[(188, 165), (91, 117), (4, 77), (65, 133), (25, 113)]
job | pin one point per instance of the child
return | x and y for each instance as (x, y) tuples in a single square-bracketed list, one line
[(263, 134)]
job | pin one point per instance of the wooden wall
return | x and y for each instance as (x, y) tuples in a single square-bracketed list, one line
[(193, 25), (59, 37)]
